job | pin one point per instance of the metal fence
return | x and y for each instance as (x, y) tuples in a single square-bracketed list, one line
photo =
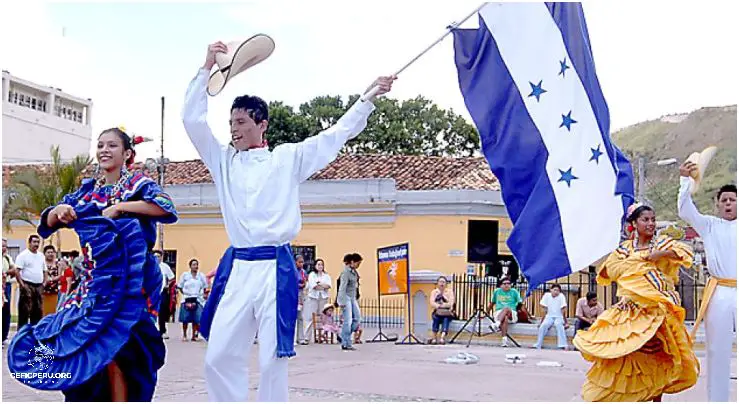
[(390, 310), (473, 292)]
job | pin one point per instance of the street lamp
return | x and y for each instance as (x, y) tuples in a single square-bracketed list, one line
[(666, 162), (159, 165), (641, 190)]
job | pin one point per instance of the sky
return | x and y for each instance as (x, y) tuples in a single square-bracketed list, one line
[(652, 58)]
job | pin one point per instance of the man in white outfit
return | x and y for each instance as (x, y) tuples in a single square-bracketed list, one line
[(719, 298), (256, 285)]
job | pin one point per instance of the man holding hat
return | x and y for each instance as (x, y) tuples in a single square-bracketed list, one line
[(719, 295), (256, 284)]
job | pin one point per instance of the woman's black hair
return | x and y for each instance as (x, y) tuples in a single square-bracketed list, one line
[(441, 277), (637, 212), (189, 264), (348, 258), (125, 139), (316, 263)]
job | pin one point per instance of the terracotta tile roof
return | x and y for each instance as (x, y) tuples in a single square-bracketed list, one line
[(414, 172), (409, 172)]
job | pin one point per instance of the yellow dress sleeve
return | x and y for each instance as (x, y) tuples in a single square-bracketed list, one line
[(671, 266), (615, 265)]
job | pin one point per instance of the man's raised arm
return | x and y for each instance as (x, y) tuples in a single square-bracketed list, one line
[(685, 207), (316, 152), (195, 112)]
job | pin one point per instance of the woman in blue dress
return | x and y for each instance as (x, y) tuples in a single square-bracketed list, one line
[(103, 344)]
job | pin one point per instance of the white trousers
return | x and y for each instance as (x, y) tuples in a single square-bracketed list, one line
[(248, 304), (720, 323), (311, 306)]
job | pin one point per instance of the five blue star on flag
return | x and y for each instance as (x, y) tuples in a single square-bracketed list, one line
[(567, 121), (566, 176), (596, 154), (536, 90), (563, 66)]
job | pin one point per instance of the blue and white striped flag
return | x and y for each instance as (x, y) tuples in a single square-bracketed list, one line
[(528, 79)]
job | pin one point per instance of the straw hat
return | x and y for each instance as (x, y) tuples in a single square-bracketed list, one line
[(241, 55), (326, 307), (701, 160)]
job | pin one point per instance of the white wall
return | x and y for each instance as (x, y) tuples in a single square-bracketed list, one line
[(29, 134)]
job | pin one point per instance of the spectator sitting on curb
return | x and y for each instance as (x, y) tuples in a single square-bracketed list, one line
[(505, 301), (587, 310), (555, 304)]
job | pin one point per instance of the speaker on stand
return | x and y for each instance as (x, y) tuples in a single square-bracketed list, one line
[(482, 249)]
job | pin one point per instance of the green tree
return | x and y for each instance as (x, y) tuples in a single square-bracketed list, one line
[(412, 127), (31, 191), (285, 126)]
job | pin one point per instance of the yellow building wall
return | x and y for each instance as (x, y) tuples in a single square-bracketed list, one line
[(431, 239)]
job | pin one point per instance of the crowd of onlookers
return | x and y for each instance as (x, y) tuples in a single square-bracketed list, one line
[(43, 275), (506, 307)]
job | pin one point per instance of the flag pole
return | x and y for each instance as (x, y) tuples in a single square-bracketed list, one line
[(449, 30)]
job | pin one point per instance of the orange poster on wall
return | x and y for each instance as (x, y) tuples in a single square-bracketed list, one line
[(392, 269)]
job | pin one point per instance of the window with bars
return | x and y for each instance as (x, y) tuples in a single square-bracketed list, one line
[(309, 255), (170, 258), (35, 102)]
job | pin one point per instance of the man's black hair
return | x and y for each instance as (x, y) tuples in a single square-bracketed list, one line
[(49, 247), (255, 107), (725, 188), (590, 296), (33, 236), (555, 285)]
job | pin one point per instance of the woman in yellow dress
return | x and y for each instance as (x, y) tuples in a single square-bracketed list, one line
[(640, 348)]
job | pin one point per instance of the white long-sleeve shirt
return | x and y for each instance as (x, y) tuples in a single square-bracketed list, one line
[(313, 280), (719, 235), (258, 189)]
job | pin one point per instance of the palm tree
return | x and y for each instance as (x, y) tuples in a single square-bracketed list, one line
[(33, 190)]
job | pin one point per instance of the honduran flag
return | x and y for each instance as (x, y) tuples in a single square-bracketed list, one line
[(528, 79)]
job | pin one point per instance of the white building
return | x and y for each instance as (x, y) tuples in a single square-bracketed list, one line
[(37, 117)]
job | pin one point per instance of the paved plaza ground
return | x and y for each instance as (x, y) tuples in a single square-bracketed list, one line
[(386, 372)]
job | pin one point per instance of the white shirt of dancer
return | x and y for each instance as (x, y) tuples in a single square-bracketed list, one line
[(258, 189), (719, 240), (719, 235)]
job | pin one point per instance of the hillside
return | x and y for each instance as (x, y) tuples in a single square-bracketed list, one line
[(677, 136)]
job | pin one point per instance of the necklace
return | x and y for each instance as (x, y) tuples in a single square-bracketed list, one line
[(649, 246), (115, 191)]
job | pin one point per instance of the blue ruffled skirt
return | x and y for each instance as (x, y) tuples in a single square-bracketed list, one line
[(108, 317)]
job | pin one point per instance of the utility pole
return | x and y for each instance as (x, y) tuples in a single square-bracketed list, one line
[(161, 175), (641, 186)]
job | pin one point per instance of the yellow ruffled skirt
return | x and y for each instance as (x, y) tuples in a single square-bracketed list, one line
[(638, 353)]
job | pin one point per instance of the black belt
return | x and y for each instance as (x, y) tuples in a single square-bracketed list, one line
[(33, 284)]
